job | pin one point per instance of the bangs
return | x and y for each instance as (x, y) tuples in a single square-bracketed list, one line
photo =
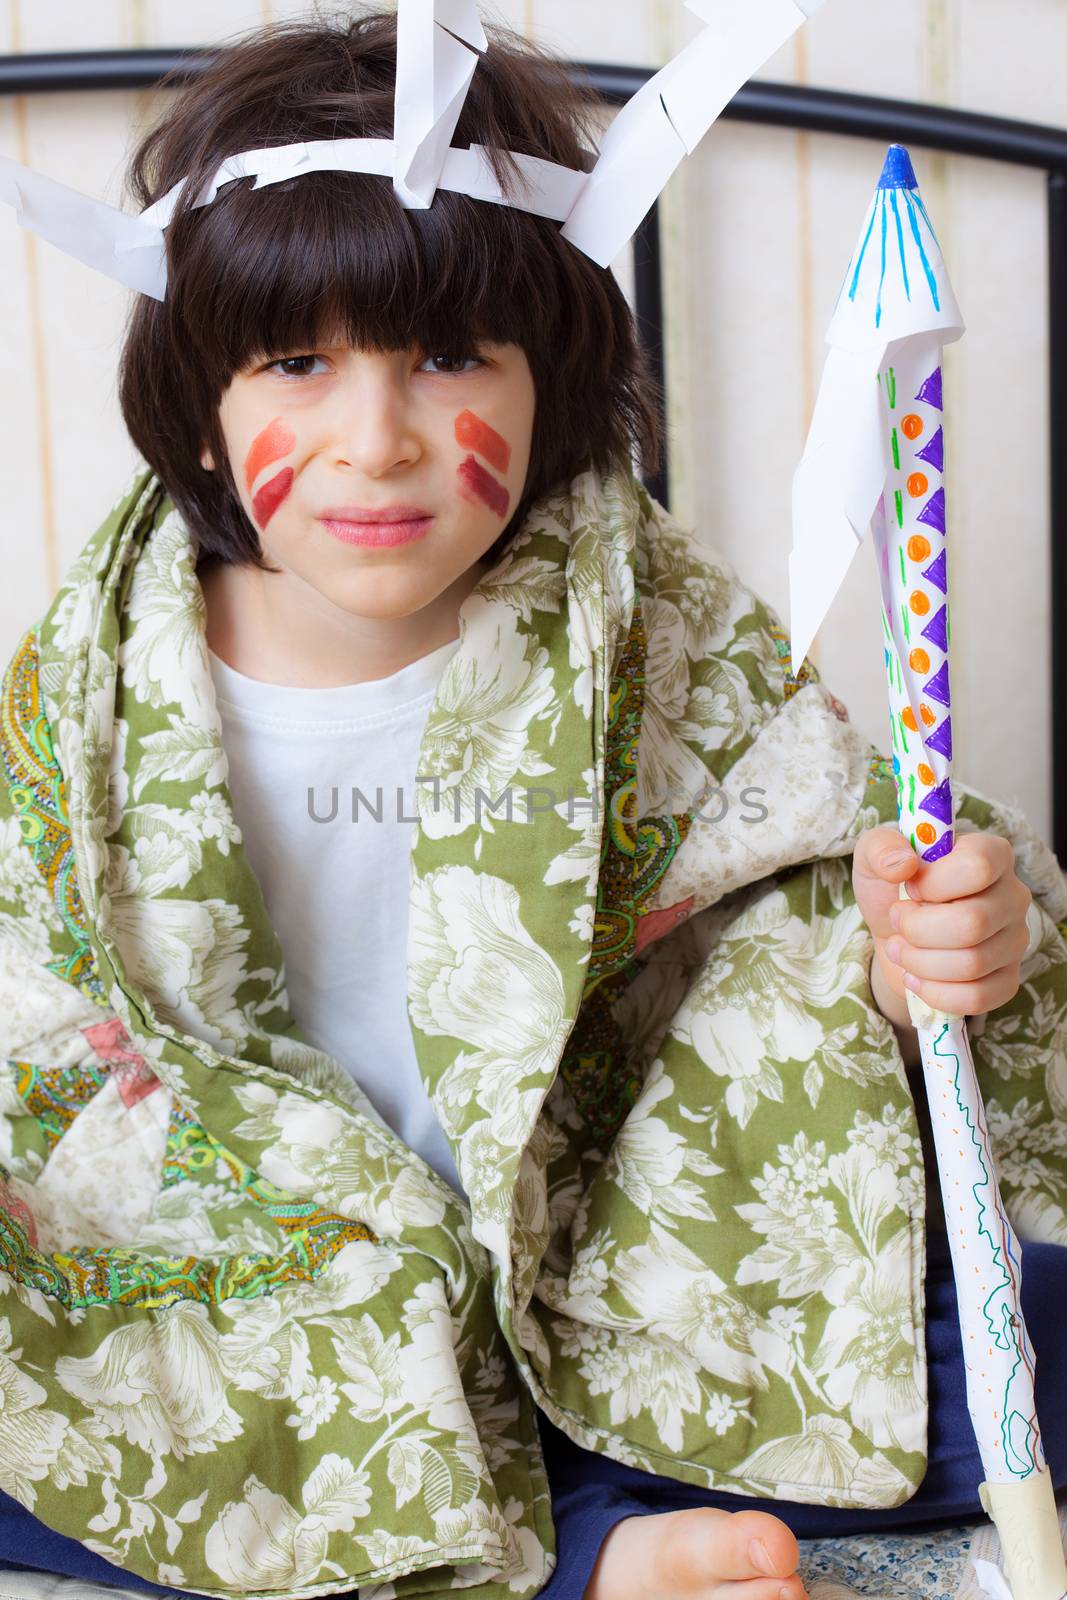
[(331, 258)]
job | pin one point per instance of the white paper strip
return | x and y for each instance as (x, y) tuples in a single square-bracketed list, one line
[(434, 67), (113, 242), (670, 114), (550, 190)]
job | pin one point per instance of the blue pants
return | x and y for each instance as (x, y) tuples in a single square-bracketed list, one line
[(591, 1493)]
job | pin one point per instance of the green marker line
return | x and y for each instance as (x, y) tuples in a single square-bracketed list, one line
[(896, 450), (903, 736), (903, 569), (907, 623), (899, 496), (911, 794), (892, 390)]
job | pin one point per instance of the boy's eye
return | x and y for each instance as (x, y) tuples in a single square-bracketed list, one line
[(290, 361), (453, 364)]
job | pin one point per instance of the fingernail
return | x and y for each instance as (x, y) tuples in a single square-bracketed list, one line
[(910, 982), (894, 916), (760, 1559), (893, 949)]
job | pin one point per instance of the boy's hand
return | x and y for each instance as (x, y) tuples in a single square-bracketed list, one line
[(960, 945)]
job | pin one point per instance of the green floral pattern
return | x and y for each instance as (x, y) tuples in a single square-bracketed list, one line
[(640, 1003)]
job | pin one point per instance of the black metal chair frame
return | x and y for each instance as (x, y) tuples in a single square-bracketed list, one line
[(961, 133)]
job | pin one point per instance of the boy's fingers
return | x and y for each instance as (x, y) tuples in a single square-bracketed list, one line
[(958, 926), (970, 999), (976, 862), (1005, 948)]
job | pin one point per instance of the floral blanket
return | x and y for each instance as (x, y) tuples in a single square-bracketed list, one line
[(249, 1342)]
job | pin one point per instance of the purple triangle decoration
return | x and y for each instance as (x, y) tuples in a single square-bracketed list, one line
[(939, 803), (936, 629), (941, 739), (931, 393), (935, 572), (934, 454), (937, 686), (933, 512), (941, 848)]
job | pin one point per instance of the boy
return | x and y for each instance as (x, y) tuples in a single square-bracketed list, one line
[(390, 542)]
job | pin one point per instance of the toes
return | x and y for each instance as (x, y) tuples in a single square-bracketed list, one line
[(737, 1545), (769, 1546), (758, 1589)]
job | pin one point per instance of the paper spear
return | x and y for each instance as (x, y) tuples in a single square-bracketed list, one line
[(876, 457)]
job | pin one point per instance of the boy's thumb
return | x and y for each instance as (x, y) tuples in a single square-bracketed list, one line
[(888, 855)]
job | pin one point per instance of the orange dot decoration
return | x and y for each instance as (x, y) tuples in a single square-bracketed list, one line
[(912, 426), (907, 717), (926, 774), (926, 833), (918, 547), (918, 660), (918, 484), (928, 716), (918, 602)]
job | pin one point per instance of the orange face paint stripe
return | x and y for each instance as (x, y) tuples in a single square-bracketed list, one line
[(275, 440), (267, 500), (474, 434)]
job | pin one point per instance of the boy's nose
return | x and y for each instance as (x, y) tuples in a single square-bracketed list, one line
[(375, 433)]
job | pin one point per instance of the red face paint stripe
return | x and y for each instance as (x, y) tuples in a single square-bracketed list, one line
[(484, 487), (276, 440), (474, 434), (270, 497)]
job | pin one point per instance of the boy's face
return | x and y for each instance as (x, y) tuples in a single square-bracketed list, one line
[(380, 478)]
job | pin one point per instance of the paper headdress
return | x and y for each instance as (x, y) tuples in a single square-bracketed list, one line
[(437, 55)]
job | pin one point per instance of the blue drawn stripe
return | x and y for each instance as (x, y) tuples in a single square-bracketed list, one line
[(900, 243), (881, 280), (931, 280), (859, 262), (917, 197)]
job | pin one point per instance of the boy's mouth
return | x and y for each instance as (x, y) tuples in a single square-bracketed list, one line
[(387, 525)]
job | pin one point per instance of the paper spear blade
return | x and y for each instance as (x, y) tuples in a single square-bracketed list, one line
[(896, 289), (670, 114), (436, 56)]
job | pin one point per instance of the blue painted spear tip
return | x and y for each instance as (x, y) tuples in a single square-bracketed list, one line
[(898, 172)]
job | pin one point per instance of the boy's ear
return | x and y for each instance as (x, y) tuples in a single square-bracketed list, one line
[(207, 460)]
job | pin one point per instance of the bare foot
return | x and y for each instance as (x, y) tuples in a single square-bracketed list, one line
[(701, 1554)]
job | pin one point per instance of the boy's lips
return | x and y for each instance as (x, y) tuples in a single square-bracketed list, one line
[(387, 525), (368, 514)]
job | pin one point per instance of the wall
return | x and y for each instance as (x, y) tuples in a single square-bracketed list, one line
[(759, 226)]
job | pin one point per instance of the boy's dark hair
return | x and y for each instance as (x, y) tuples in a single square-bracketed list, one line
[(264, 273)]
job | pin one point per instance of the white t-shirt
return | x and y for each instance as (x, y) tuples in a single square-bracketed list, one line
[(334, 878)]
